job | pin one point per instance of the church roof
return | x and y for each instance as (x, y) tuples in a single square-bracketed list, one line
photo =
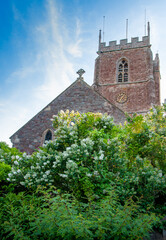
[(79, 96)]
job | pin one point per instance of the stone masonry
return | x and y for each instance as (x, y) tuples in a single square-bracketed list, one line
[(126, 79), (142, 90), (78, 97)]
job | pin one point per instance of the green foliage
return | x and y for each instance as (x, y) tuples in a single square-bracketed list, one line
[(108, 178), (146, 137), (7, 153), (51, 215), (4, 170)]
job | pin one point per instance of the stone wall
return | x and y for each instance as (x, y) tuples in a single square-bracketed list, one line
[(78, 97), (142, 89)]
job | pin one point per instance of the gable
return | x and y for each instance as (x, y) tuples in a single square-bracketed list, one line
[(80, 97)]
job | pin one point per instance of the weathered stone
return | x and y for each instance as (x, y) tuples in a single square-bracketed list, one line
[(142, 90), (107, 95), (78, 97)]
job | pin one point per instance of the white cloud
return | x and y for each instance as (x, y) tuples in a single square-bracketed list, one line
[(74, 49), (21, 74), (47, 69)]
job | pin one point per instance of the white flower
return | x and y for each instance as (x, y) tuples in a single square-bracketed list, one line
[(67, 111), (16, 163), (101, 156), (88, 174), (10, 175), (71, 165), (65, 154), (27, 176), (48, 172), (96, 173), (72, 123), (22, 183), (18, 170), (160, 174), (63, 175), (8, 179), (17, 157), (61, 112), (34, 174)]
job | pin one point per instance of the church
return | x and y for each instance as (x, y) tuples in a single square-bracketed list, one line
[(126, 79)]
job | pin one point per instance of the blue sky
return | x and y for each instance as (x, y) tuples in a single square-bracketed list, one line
[(44, 42)]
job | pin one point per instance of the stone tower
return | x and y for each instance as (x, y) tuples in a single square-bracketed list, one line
[(126, 74)]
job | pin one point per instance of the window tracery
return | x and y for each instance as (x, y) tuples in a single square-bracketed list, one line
[(122, 71)]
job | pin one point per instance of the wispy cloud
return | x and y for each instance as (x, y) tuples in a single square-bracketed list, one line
[(54, 43), (46, 69), (75, 49)]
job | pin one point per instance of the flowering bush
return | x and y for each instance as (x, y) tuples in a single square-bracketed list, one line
[(90, 157), (7, 153), (90, 153)]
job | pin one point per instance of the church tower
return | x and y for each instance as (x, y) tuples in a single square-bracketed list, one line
[(126, 74)]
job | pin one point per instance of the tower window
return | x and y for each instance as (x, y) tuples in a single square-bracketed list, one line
[(126, 77), (120, 67), (48, 136), (120, 77), (123, 71)]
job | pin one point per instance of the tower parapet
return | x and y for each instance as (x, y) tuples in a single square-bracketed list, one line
[(124, 44)]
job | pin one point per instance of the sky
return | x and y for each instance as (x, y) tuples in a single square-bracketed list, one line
[(43, 43)]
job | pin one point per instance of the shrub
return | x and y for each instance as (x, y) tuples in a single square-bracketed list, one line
[(51, 215), (107, 176)]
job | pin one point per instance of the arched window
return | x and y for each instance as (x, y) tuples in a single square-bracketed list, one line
[(48, 136), (122, 71), (120, 77)]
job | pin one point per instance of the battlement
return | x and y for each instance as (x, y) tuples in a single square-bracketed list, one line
[(135, 43)]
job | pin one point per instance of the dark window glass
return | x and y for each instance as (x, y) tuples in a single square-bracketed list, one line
[(120, 77), (120, 67), (125, 65), (125, 77), (123, 71), (48, 136)]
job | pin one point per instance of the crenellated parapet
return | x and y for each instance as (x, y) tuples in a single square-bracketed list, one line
[(124, 44)]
